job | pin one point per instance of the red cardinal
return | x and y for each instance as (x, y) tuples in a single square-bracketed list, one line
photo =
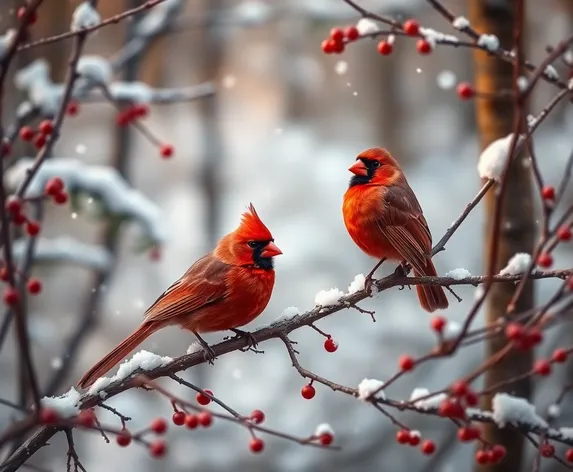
[(385, 220), (223, 290)]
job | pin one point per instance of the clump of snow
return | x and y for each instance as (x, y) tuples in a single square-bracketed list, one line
[(518, 264), (551, 72), (102, 181), (323, 428), (328, 297), (452, 330), (489, 42), (522, 82), (434, 37), (459, 274), (95, 68), (66, 249), (341, 67), (42, 92), (136, 91), (553, 411), (368, 386), (6, 41), (158, 18), (493, 158), (508, 409), (194, 347), (66, 405), (100, 384), (566, 431), (427, 403), (446, 79), (367, 26), (461, 22), (391, 39), (85, 16), (357, 284)]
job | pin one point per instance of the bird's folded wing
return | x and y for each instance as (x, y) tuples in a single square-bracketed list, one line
[(203, 284)]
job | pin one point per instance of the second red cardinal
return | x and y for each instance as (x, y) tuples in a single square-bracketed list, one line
[(223, 290), (383, 217)]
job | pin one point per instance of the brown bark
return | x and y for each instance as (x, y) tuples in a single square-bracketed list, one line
[(495, 118)]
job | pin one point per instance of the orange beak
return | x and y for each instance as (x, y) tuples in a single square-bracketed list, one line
[(358, 168), (271, 250)]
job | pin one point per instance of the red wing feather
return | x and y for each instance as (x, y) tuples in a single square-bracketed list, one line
[(203, 284)]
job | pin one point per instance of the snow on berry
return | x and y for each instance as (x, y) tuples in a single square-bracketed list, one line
[(458, 274), (508, 409), (367, 26), (489, 42), (357, 284), (328, 297), (493, 158), (369, 386), (85, 16), (518, 264), (323, 428), (66, 405), (460, 23)]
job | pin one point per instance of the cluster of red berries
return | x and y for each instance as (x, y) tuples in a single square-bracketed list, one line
[(542, 367), (413, 438), (55, 188), (131, 113), (461, 396), (334, 44), (524, 338), (14, 208), (203, 418), (330, 345), (491, 456), (37, 137)]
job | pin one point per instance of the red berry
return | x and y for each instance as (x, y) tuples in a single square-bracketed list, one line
[(326, 439), (542, 367), (26, 133), (351, 33), (569, 455), (158, 448), (564, 233), (203, 399), (514, 331), (31, 19), (423, 47), (46, 127), (468, 433), (498, 452), (11, 296), (48, 416), (166, 151), (535, 336), (438, 323), (6, 148), (257, 416), (4, 274), (191, 421), (178, 418), (256, 445), (451, 409), (482, 457), (471, 398), (559, 355), (406, 363), (123, 439), (328, 46), (32, 228), (337, 34), (61, 198), (19, 219), (53, 186), (460, 388), (547, 450), (13, 204), (411, 27), (308, 392), (73, 108), (384, 48), (39, 141), (403, 436), (159, 425), (205, 418), (548, 192), (414, 439), (545, 260), (123, 118), (338, 47), (34, 287), (330, 345), (428, 447), (86, 418), (141, 111), (465, 91)]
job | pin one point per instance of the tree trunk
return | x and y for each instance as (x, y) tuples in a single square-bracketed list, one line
[(495, 118)]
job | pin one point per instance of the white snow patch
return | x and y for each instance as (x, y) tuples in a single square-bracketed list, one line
[(357, 284), (95, 68), (459, 274), (136, 91), (328, 297), (369, 386), (446, 79), (66, 405), (194, 347), (367, 26), (287, 313), (341, 67), (551, 72), (489, 42), (518, 264), (323, 428), (493, 158), (566, 431), (553, 411), (427, 403), (514, 410), (434, 37), (42, 92), (460, 22), (85, 16)]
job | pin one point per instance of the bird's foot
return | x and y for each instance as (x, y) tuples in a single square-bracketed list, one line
[(402, 271), (251, 340), (369, 280), (208, 352)]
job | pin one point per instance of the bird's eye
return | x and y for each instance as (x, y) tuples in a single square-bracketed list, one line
[(375, 164), (252, 244)]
